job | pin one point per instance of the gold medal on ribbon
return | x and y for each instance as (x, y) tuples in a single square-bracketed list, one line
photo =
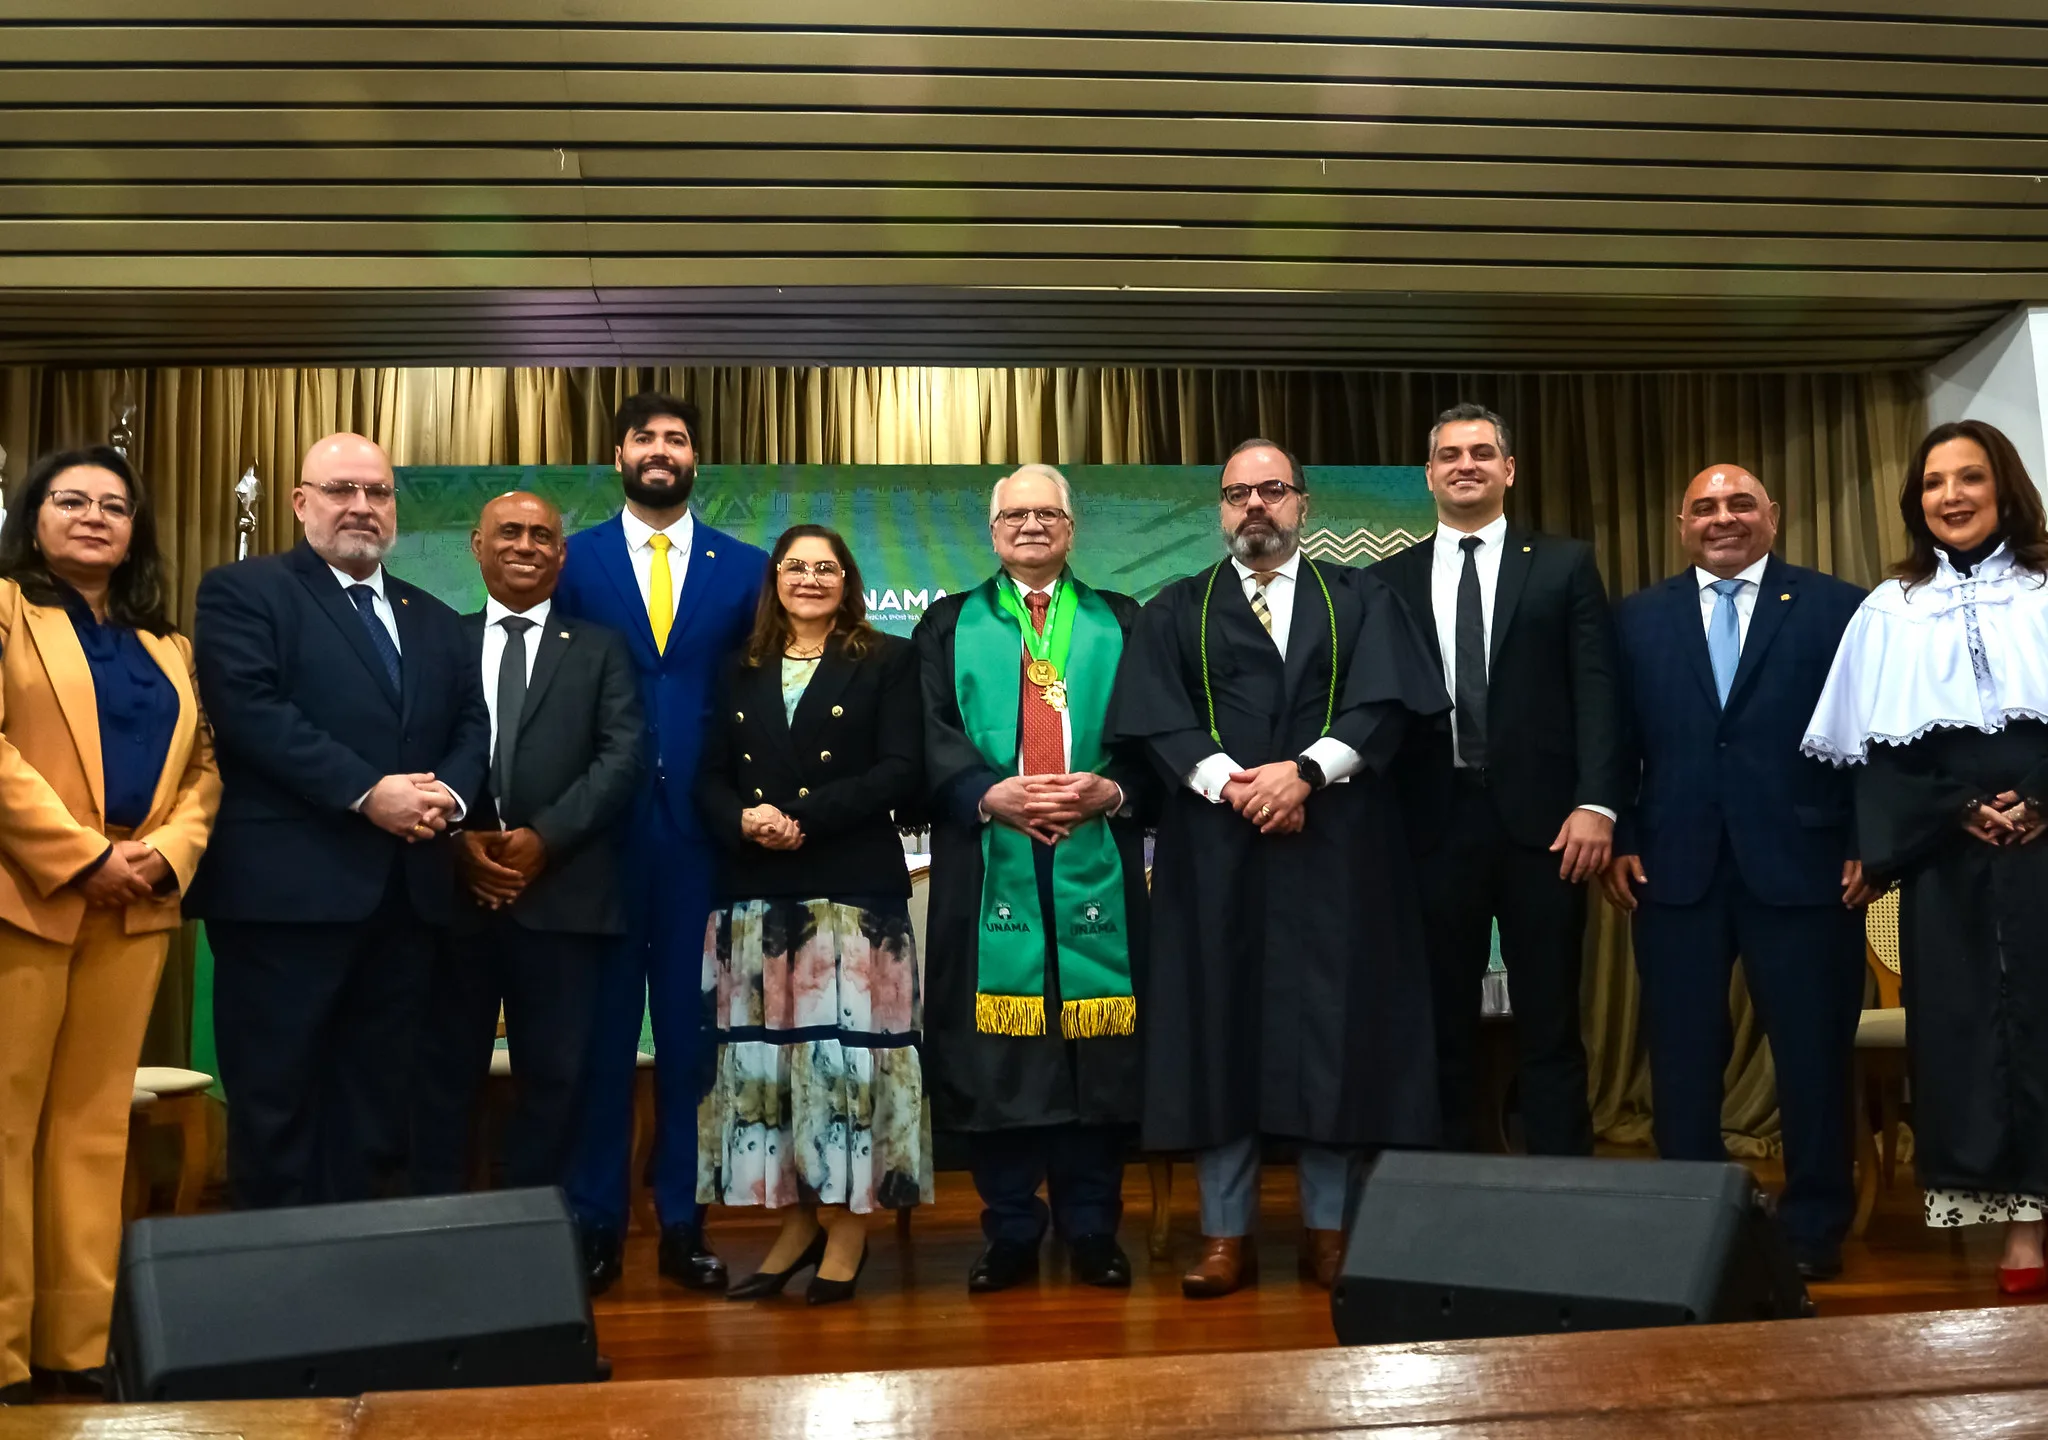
[(1042, 673), (1056, 694)]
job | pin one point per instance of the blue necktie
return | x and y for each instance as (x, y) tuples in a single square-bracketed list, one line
[(1724, 636), (380, 638)]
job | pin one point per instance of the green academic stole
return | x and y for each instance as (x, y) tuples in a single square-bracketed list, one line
[(1087, 873)]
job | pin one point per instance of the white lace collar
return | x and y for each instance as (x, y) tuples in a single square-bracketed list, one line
[(1958, 652)]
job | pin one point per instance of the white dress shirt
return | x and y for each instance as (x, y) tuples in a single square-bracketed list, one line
[(494, 650), (640, 550), (1339, 761), (1745, 599), (381, 608), (1447, 569)]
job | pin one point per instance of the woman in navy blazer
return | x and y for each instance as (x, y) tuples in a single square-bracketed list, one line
[(810, 968)]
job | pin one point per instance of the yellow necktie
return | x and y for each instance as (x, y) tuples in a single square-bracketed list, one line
[(661, 594)]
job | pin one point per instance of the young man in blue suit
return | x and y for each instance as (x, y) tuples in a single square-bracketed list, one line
[(1738, 844), (683, 595)]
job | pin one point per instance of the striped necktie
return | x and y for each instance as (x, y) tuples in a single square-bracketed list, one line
[(1261, 579)]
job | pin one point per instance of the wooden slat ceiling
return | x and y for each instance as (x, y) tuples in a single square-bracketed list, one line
[(1540, 185)]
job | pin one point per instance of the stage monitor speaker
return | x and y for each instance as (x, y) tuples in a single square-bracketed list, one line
[(1448, 1247), (436, 1293)]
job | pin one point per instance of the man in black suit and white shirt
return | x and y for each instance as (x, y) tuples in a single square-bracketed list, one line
[(350, 734), (1513, 810), (539, 887)]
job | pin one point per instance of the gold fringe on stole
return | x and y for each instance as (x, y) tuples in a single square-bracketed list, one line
[(1093, 1019), (1009, 1014)]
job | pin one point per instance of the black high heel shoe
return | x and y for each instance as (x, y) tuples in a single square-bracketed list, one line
[(830, 1292), (764, 1284)]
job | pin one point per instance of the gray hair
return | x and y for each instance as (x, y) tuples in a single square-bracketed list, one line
[(1042, 472), (1466, 410)]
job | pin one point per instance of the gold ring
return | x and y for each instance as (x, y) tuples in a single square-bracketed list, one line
[(1264, 811)]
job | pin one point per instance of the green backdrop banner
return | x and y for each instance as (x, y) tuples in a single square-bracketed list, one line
[(920, 531)]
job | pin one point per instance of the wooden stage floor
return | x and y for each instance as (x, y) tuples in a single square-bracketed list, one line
[(916, 1358), (913, 1310)]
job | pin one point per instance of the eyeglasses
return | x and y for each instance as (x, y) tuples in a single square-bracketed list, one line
[(1270, 491), (72, 504), (823, 570), (1046, 515), (376, 492)]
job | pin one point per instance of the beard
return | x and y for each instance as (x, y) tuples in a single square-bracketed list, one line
[(351, 544), (1263, 539), (658, 496)]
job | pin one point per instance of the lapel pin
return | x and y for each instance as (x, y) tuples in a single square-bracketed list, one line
[(710, 554), (1786, 596), (1525, 549), (403, 601)]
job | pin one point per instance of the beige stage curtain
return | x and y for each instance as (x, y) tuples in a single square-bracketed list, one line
[(1603, 456)]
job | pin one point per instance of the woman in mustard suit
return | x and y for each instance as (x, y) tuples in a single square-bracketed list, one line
[(107, 791)]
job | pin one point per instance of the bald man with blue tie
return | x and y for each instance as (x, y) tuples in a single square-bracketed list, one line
[(1738, 844)]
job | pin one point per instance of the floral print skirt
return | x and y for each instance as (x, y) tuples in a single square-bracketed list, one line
[(1947, 1209), (818, 1095)]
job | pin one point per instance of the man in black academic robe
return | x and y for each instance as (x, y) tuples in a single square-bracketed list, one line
[(1037, 1110), (1289, 994)]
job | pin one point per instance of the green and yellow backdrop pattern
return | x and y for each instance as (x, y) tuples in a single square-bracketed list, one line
[(920, 531)]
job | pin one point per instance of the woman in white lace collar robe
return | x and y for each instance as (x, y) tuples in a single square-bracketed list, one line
[(1940, 694)]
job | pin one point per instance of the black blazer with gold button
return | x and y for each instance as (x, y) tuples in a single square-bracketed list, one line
[(852, 755)]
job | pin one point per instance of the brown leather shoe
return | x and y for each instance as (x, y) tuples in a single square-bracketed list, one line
[(1226, 1265), (1322, 1256)]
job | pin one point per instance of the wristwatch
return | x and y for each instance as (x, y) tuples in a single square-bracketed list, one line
[(1310, 772)]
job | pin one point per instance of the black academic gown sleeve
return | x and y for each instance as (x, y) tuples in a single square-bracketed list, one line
[(1909, 808), (1394, 684)]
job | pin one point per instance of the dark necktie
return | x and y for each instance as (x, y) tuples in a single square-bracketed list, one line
[(511, 706), (1470, 699), (1042, 742), (380, 638)]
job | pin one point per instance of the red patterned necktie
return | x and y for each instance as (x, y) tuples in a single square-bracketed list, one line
[(1042, 744)]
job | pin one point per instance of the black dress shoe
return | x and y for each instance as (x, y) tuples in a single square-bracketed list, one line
[(70, 1383), (1826, 1266), (685, 1260), (600, 1259), (19, 1393), (763, 1284), (830, 1292), (1099, 1260), (1002, 1265)]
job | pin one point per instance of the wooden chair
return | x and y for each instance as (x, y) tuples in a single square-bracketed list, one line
[(183, 1104), (641, 1214), (135, 1178), (1880, 1084)]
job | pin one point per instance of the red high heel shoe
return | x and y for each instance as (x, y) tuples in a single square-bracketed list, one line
[(2027, 1280)]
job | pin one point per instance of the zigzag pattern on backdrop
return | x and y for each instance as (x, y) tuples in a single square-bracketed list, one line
[(1327, 544)]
